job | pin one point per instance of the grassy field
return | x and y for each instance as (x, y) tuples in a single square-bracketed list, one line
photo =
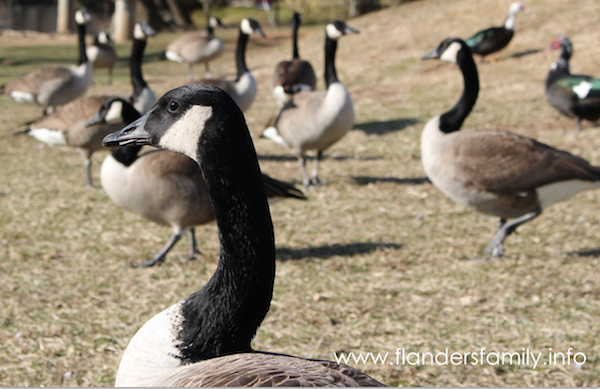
[(374, 261)]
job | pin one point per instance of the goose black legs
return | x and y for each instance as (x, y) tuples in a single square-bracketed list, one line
[(496, 247), (160, 257), (193, 246)]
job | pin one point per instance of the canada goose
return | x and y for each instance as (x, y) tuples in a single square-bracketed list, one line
[(205, 338), (102, 54), (163, 186), (572, 95), (493, 172), (316, 120), (243, 89), (67, 126), (143, 97), (495, 39), (56, 85), (292, 76), (196, 47)]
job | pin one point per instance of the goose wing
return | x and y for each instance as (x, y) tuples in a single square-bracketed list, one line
[(276, 188), (32, 82), (74, 112), (507, 162), (291, 73), (261, 369)]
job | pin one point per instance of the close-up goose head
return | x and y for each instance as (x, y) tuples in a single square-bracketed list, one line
[(189, 109), (450, 50), (143, 30)]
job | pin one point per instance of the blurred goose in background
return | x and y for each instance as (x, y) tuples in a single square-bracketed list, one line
[(205, 339), (316, 120), (196, 47), (243, 89), (295, 75), (102, 54), (493, 172), (163, 186), (52, 86), (67, 126), (572, 95), (494, 39)]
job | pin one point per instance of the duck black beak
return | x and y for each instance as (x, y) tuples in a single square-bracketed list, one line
[(132, 135)]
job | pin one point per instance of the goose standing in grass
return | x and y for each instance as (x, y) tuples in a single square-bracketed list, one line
[(497, 173), (494, 39), (102, 54), (67, 126), (295, 75), (316, 120), (204, 340), (163, 186), (197, 47), (243, 89), (572, 95), (52, 86)]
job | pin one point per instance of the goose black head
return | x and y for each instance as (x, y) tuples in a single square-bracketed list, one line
[(179, 119), (337, 28), (215, 22), (450, 50), (250, 26), (115, 109), (143, 30), (102, 38), (83, 17)]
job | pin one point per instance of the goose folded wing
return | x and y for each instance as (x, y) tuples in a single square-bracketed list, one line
[(31, 82), (506, 162), (258, 369)]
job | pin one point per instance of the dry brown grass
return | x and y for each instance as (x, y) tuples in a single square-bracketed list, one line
[(375, 260)]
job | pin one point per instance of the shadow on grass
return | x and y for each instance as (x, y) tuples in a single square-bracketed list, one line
[(385, 126), (594, 253), (312, 158), (526, 53), (323, 252), (363, 180)]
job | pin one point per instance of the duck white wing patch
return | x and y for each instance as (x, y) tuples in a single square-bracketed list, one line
[(582, 90), (50, 137), (182, 136)]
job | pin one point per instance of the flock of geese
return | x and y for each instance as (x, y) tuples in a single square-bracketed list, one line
[(206, 169)]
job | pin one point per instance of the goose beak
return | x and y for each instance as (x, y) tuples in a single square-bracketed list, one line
[(260, 32), (350, 30), (94, 120), (132, 135), (433, 54)]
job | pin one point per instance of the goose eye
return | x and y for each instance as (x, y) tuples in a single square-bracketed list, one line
[(173, 106)]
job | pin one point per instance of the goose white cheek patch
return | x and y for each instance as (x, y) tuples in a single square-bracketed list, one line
[(333, 32), (182, 136), (450, 54)]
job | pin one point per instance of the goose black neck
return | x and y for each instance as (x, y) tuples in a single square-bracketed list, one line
[(81, 36), (126, 155), (222, 317), (135, 66), (330, 73), (210, 30), (295, 26), (453, 119), (240, 54)]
